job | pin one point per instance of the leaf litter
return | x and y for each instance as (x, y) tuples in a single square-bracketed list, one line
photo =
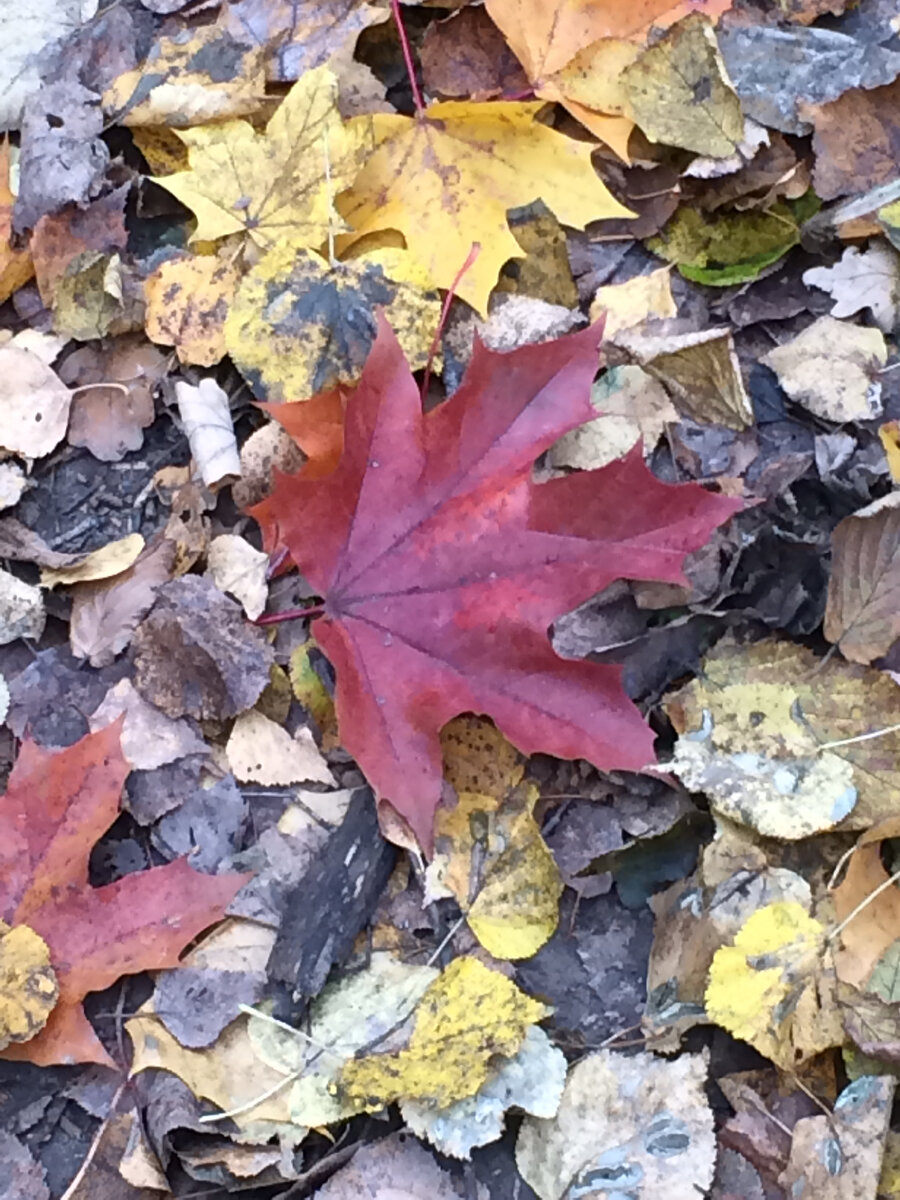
[(447, 625)]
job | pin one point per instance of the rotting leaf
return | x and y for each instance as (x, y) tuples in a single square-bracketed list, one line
[(298, 327), (188, 298), (28, 985)]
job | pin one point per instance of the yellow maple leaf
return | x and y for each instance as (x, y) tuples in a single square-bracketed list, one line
[(446, 178), (277, 186), (466, 1018), (774, 987)]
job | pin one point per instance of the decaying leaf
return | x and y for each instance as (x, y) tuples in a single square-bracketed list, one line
[(430, 523), (149, 738), (28, 985), (831, 368), (239, 569), (624, 305), (862, 615), (94, 934), (22, 613), (188, 298), (624, 1117), (298, 327), (465, 1019), (774, 987), (679, 93), (755, 731)]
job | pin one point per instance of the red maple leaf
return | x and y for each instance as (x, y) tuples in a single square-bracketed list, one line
[(57, 805), (442, 565)]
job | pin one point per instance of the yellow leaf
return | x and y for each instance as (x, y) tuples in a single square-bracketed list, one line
[(678, 91), (28, 985), (16, 266), (187, 299), (298, 327), (637, 300), (467, 1017), (163, 149), (774, 987), (259, 751), (446, 179), (309, 689), (889, 434), (478, 758), (275, 186), (103, 563), (176, 84)]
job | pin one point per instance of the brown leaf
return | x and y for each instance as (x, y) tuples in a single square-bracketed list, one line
[(856, 140), (109, 420), (466, 56), (105, 614), (863, 611), (60, 238)]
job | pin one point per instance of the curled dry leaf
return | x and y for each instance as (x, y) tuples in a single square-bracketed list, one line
[(104, 563), (206, 414)]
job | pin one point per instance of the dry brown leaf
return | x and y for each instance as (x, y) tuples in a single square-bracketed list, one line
[(109, 420), (259, 751), (105, 614), (866, 936), (863, 611)]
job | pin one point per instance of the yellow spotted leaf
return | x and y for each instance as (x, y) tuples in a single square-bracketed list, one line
[(445, 180), (478, 758), (628, 304), (466, 1019), (28, 985), (774, 987), (276, 186), (188, 298), (298, 327)]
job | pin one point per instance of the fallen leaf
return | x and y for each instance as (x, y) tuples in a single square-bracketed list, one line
[(469, 1016), (850, 1138), (856, 140), (862, 280), (634, 1117), (28, 986), (103, 563), (754, 731), (25, 33), (394, 1167), (205, 411), (109, 420), (532, 1081), (730, 247), (13, 485), (25, 1176), (106, 614), (237, 568), (149, 739), (59, 238), (259, 751), (298, 326), (35, 404), (624, 305), (89, 300), (774, 987), (831, 368), (471, 163), (868, 916), (95, 935), (177, 86), (308, 688), (469, 527), (861, 616), (679, 93), (632, 406), (466, 57), (295, 39), (22, 613), (266, 450), (700, 371), (889, 436), (775, 71), (196, 655), (274, 186), (188, 298)]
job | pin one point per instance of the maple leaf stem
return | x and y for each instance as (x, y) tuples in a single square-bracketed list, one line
[(445, 310), (291, 614), (407, 57)]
